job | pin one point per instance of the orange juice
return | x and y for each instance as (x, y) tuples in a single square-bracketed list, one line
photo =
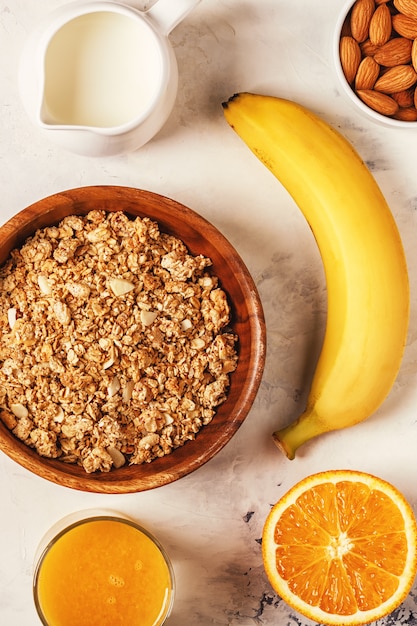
[(103, 571)]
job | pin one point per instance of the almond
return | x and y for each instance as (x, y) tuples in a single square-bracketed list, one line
[(380, 26), (117, 457), (346, 31), (415, 98), (368, 48), (120, 286), (381, 1), (19, 410), (379, 102), (360, 19), (404, 26), (11, 317), (148, 317), (407, 7), (397, 51), (396, 79), (414, 54), (405, 98), (44, 285), (408, 114), (113, 387), (350, 57), (367, 74)]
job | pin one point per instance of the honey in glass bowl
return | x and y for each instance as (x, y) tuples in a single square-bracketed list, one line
[(103, 570)]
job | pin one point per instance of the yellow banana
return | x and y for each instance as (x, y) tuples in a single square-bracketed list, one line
[(362, 254)]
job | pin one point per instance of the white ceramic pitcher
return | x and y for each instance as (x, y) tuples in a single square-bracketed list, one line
[(101, 78)]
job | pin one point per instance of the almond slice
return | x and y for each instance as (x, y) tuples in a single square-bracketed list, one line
[(108, 363), (116, 456), (168, 419), (148, 317), (11, 317), (120, 286), (59, 417), (44, 285), (114, 387), (19, 410), (186, 324), (112, 358), (197, 343)]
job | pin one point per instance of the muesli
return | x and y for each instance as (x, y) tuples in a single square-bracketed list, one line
[(114, 341)]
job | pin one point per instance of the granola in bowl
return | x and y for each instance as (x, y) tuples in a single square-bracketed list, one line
[(115, 344)]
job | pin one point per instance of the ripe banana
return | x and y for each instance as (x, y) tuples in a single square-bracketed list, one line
[(363, 258)]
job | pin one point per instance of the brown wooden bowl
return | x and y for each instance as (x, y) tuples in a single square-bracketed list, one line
[(248, 323)]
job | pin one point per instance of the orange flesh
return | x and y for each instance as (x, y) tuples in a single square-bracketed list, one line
[(338, 554), (104, 572)]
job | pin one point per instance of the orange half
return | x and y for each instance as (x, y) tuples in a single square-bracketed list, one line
[(341, 547)]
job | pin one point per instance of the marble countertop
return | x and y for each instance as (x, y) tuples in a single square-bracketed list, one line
[(211, 521)]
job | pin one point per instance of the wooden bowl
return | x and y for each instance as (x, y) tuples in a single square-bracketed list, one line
[(247, 322)]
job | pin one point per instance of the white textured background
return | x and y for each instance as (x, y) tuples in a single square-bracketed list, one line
[(211, 521)]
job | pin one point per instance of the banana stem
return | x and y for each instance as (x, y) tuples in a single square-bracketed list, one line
[(289, 439)]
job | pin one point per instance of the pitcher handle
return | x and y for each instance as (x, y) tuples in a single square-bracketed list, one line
[(167, 14)]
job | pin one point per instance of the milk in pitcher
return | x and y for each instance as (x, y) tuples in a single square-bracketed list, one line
[(102, 69)]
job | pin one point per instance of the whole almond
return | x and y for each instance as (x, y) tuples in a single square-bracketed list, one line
[(405, 98), (414, 54), (396, 79), (379, 102), (367, 74), (415, 98), (350, 57), (380, 26), (396, 51), (360, 19), (408, 114), (407, 7), (404, 25)]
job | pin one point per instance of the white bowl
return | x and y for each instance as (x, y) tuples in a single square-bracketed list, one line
[(347, 90)]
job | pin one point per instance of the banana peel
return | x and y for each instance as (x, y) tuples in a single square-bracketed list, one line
[(362, 253)]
